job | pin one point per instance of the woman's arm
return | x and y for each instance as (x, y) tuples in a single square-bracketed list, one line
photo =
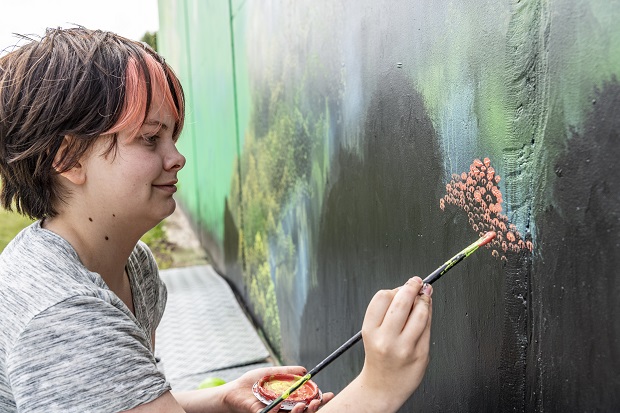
[(396, 334)]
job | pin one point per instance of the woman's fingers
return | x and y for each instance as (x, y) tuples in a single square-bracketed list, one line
[(298, 408), (377, 308), (418, 324), (390, 309), (401, 305), (314, 405), (327, 397)]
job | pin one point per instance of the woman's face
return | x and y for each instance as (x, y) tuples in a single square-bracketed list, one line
[(137, 181)]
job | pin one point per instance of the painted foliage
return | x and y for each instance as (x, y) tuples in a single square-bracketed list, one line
[(374, 139)]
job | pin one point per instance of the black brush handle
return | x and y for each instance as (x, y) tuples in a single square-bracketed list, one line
[(348, 344), (434, 276), (431, 278)]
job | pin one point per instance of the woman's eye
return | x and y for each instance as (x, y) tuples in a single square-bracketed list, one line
[(150, 139)]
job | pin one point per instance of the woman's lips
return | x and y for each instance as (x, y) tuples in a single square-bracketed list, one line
[(170, 188)]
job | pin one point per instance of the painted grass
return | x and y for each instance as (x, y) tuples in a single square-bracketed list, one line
[(10, 224)]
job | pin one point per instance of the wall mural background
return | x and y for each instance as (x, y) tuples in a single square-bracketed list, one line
[(338, 147)]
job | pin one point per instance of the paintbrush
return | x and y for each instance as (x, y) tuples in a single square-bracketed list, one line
[(431, 278)]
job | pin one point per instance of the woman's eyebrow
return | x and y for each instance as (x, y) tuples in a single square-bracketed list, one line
[(156, 123)]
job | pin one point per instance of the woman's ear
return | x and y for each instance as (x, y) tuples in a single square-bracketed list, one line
[(76, 174)]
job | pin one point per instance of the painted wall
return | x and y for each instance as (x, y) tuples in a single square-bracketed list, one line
[(337, 147)]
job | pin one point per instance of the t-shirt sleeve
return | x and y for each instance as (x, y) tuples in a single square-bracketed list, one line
[(83, 355)]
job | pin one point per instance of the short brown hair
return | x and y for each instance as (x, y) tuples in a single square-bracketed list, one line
[(72, 82)]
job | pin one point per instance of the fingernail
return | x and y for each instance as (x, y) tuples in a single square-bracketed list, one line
[(427, 289)]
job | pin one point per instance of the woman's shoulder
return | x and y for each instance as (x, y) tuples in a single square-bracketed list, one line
[(39, 269), (39, 247)]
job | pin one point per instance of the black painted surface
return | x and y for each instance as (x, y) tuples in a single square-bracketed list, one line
[(381, 224), (574, 361)]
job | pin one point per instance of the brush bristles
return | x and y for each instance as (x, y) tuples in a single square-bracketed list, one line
[(488, 237)]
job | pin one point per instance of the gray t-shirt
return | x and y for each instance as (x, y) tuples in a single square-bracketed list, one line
[(68, 343)]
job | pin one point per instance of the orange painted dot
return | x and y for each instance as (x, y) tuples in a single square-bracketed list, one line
[(476, 192)]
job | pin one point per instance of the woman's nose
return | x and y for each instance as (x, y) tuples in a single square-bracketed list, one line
[(176, 160)]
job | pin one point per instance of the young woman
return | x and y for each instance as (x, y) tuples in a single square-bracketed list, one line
[(88, 127)]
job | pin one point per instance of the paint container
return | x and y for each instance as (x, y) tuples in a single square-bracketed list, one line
[(271, 387)]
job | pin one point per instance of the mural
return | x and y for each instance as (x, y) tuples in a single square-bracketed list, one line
[(338, 147)]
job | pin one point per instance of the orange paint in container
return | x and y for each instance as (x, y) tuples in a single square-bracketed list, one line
[(269, 388)]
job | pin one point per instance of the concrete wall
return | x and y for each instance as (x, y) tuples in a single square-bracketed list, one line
[(338, 147)]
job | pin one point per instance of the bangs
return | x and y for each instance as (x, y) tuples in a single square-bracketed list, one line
[(142, 79)]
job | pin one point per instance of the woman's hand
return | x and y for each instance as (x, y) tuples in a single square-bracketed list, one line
[(396, 334)]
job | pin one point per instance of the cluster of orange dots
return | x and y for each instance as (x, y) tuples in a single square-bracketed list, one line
[(477, 193)]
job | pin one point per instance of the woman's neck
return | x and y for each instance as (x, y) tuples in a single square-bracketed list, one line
[(103, 244)]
